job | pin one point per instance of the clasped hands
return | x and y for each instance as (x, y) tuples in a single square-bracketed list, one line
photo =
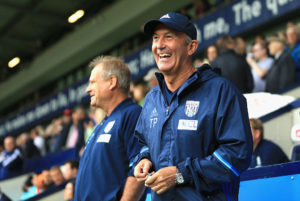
[(159, 181)]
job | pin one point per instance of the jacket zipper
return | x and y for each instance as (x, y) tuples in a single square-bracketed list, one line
[(167, 111)]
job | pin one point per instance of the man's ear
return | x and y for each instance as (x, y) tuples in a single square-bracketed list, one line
[(192, 47), (113, 82)]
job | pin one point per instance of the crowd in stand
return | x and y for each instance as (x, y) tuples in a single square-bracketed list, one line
[(71, 130), (268, 65), (35, 184)]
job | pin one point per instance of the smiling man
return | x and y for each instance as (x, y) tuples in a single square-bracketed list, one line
[(105, 171), (194, 125)]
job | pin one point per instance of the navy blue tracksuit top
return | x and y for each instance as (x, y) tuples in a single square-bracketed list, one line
[(204, 131), (104, 165)]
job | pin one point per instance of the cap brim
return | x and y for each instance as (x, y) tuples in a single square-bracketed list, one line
[(150, 26)]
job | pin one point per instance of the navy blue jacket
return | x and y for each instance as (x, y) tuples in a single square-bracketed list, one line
[(104, 165), (62, 140), (267, 153), (11, 163), (282, 73), (234, 68), (204, 131)]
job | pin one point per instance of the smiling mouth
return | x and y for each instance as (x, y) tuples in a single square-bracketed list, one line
[(165, 55)]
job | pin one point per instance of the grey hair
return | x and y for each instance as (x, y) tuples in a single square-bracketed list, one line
[(188, 40), (113, 66)]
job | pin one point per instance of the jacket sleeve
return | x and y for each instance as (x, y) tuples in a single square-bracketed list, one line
[(144, 150), (131, 144), (234, 146)]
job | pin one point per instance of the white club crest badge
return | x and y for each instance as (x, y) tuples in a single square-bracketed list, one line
[(191, 108)]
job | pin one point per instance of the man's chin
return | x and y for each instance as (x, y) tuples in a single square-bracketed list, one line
[(164, 68)]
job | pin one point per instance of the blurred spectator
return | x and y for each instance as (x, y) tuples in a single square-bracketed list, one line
[(96, 115), (70, 169), (201, 7), (1, 144), (211, 52), (25, 143), (184, 12), (38, 141), (293, 46), (197, 62), (47, 180), (282, 35), (265, 152), (11, 159), (240, 46), (232, 66), (260, 39), (89, 127), (290, 24), (67, 116), (69, 191), (40, 130), (150, 78), (56, 175), (52, 134), (27, 184), (139, 91), (283, 71), (36, 184), (33, 189), (55, 130), (39, 183), (72, 135), (260, 63)]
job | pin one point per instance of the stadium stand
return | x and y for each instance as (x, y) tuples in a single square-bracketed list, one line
[(39, 96), (35, 165)]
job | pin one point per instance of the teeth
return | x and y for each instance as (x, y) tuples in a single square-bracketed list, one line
[(164, 55)]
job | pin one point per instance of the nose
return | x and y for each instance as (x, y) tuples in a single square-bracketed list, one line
[(160, 43), (88, 89)]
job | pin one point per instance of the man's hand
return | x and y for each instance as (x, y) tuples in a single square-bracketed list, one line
[(162, 180), (133, 190), (141, 170), (250, 61)]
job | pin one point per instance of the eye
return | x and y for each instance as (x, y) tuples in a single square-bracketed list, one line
[(169, 36), (155, 37)]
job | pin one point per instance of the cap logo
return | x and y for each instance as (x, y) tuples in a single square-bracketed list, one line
[(165, 16)]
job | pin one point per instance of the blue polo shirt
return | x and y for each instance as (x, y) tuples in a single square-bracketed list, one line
[(104, 165)]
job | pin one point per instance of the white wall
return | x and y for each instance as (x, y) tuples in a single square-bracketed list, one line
[(13, 187)]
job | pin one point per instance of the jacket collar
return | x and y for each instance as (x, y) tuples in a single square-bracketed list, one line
[(203, 74)]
